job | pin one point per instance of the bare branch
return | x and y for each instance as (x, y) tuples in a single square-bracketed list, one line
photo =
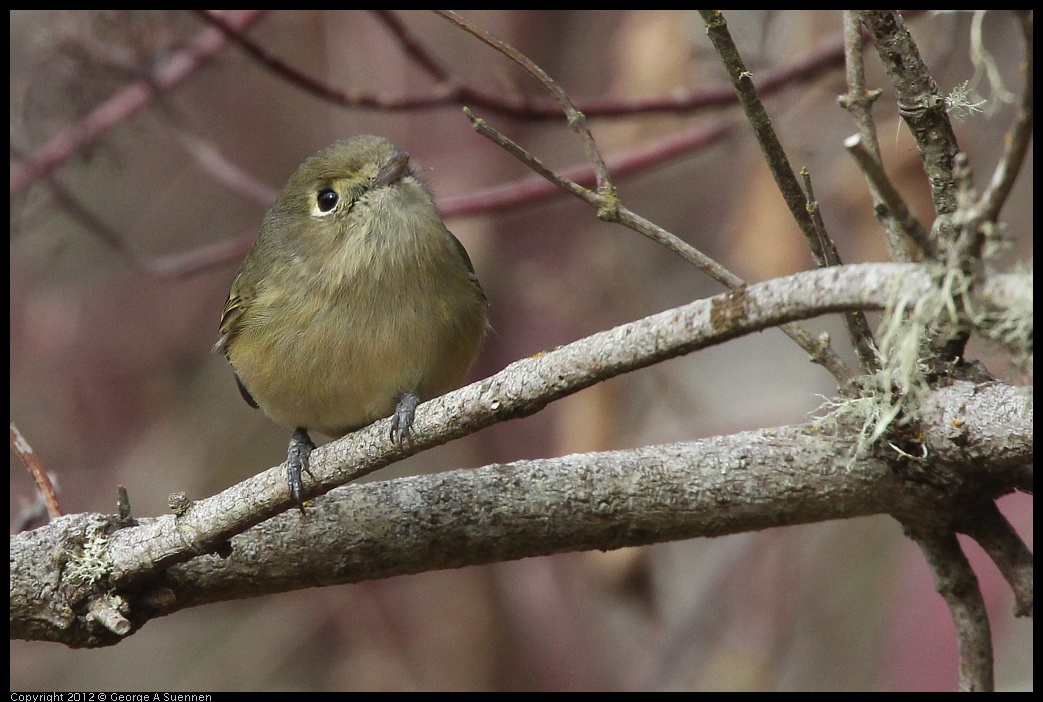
[(306, 82), (1016, 143), (857, 327), (577, 121), (533, 189), (885, 192), (454, 90), (858, 101), (958, 586), (609, 209), (82, 214), (522, 389), (987, 525), (127, 102), (919, 103), (413, 47), (37, 471), (207, 154), (774, 154), (722, 485)]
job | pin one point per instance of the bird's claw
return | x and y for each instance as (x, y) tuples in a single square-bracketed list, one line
[(298, 461), (402, 420)]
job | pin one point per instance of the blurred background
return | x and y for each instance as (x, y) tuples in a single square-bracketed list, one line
[(122, 257)]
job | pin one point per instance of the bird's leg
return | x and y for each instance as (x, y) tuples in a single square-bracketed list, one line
[(297, 462), (402, 420)]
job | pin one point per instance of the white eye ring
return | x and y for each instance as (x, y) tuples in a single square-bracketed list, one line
[(325, 202)]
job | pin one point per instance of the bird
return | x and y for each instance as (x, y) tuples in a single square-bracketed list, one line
[(355, 302)]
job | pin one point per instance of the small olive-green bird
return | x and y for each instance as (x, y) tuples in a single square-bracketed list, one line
[(355, 302)]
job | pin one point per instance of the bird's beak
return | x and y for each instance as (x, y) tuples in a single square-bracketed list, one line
[(393, 169)]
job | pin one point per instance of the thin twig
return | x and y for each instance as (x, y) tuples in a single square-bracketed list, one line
[(206, 153), (888, 195), (82, 214), (135, 97), (608, 206), (956, 583), (859, 103), (532, 189), (774, 153), (858, 100), (183, 263), (203, 258), (827, 56), (37, 471), (577, 121), (818, 350), (919, 103), (830, 256), (855, 321), (452, 90), (771, 146), (313, 85), (413, 47), (1016, 141), (987, 525)]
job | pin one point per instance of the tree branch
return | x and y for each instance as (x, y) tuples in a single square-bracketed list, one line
[(534, 189), (858, 101), (919, 103), (997, 537), (127, 102), (958, 585), (44, 485), (722, 485), (452, 90), (610, 209), (523, 388), (1015, 145), (885, 193), (577, 120), (774, 154)]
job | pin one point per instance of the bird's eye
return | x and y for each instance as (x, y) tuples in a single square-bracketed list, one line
[(327, 200)]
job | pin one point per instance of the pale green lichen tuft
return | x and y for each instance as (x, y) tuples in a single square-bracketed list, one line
[(891, 397), (1004, 316), (91, 563), (960, 103)]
